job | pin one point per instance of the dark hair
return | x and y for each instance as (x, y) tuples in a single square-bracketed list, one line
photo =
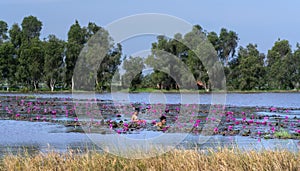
[(163, 118)]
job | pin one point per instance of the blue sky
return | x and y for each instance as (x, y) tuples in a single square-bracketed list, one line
[(255, 21)]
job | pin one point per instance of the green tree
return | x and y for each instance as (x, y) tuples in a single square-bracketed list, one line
[(250, 72), (76, 41), (30, 51), (132, 77), (108, 67), (166, 59), (15, 34), (294, 67), (53, 64), (3, 31), (185, 60), (225, 44), (213, 38), (97, 63), (31, 28), (147, 81), (204, 62), (7, 63), (279, 76), (195, 61), (91, 29), (31, 63)]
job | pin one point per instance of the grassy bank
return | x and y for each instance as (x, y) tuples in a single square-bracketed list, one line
[(225, 159)]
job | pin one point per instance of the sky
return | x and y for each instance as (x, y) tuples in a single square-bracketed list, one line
[(256, 21)]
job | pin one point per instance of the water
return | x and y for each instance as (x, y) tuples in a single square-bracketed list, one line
[(286, 100), (39, 136), (42, 136)]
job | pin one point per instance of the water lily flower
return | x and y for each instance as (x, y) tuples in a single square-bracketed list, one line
[(258, 133), (216, 130), (273, 109), (273, 129)]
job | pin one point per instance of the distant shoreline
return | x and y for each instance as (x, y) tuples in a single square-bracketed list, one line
[(155, 91)]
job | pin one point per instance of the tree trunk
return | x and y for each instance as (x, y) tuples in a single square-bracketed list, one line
[(52, 84), (72, 83), (35, 84)]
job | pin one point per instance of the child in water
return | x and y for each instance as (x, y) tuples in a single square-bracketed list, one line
[(162, 123)]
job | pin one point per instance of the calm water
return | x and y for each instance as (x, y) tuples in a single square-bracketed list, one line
[(288, 100), (42, 136), (39, 136)]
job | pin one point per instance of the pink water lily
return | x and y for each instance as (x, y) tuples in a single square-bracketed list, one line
[(273, 109), (216, 130), (258, 133), (273, 129)]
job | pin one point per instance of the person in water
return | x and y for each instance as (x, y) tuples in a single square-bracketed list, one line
[(162, 123), (134, 117)]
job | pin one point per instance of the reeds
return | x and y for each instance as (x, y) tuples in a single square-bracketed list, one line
[(222, 159)]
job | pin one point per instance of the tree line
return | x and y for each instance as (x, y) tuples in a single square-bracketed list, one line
[(26, 60), (184, 61)]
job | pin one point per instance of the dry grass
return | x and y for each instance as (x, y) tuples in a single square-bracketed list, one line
[(223, 159)]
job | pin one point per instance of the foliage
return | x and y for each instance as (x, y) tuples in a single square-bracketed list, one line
[(278, 59), (196, 60), (249, 73), (132, 77), (282, 134), (3, 31), (53, 66)]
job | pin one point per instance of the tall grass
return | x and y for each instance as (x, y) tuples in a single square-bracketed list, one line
[(223, 159)]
